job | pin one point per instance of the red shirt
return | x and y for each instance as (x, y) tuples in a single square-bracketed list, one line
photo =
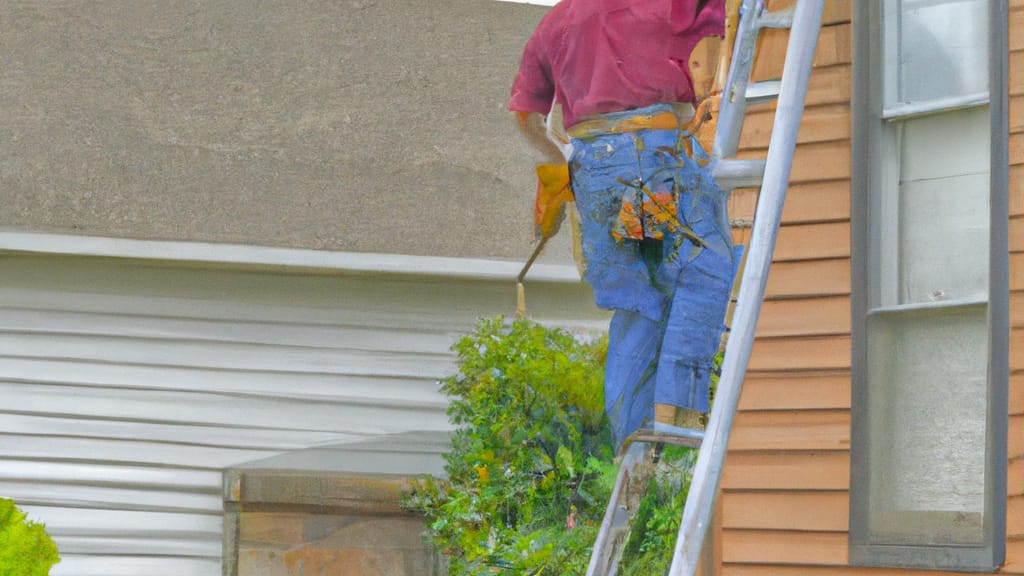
[(600, 56)]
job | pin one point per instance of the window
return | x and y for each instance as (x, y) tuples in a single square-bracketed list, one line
[(935, 54), (930, 331)]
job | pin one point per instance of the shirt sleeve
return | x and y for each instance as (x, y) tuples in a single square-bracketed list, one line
[(533, 88), (698, 18)]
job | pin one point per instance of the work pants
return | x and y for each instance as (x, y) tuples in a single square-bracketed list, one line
[(669, 294)]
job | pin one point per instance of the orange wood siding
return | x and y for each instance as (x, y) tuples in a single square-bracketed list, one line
[(1015, 472), (769, 570), (786, 511), (789, 472), (815, 278), (1016, 202), (1017, 396), (810, 202), (818, 390), (789, 317), (785, 487), (786, 547), (784, 506), (836, 11), (1017, 113)]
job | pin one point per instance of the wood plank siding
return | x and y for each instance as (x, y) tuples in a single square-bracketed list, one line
[(785, 488), (1015, 471), (784, 507), (129, 386)]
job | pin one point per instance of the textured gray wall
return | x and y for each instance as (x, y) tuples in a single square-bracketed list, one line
[(338, 124)]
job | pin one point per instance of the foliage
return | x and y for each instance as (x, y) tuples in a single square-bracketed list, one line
[(653, 535), (530, 471), (25, 547), (531, 468)]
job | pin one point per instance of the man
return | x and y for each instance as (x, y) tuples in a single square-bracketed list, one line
[(655, 232)]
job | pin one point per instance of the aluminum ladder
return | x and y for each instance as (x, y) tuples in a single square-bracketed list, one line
[(772, 174)]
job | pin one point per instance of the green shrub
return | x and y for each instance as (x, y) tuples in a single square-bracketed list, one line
[(25, 547), (531, 467), (530, 470)]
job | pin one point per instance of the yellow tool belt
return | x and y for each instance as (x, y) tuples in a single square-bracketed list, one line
[(680, 117)]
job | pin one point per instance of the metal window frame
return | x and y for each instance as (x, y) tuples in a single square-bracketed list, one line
[(869, 129)]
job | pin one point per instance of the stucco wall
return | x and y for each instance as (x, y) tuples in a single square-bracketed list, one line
[(359, 125)]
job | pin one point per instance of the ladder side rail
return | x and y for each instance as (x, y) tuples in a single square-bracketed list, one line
[(602, 560), (733, 106), (708, 469)]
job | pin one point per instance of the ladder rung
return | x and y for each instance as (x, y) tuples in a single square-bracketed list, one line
[(731, 174), (776, 19), (765, 91), (668, 434)]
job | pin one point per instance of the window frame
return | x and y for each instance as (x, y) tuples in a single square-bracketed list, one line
[(892, 106), (873, 143)]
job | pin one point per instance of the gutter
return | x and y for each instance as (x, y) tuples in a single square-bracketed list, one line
[(284, 259)]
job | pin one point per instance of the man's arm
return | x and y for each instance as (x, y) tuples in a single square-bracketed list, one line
[(531, 125)]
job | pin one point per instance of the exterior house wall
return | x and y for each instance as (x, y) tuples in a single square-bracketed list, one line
[(208, 212), (345, 126), (784, 506), (784, 486), (129, 386), (1015, 471)]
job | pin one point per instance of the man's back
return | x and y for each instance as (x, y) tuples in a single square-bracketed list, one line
[(600, 56)]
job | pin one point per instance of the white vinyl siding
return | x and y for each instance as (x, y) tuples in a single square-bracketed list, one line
[(128, 386)]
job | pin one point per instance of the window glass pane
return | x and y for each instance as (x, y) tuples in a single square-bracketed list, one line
[(947, 144), (943, 47), (928, 383), (944, 208)]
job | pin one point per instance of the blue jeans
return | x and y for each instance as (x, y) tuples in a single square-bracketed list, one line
[(669, 295)]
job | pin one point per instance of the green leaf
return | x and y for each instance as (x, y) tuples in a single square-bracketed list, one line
[(25, 547)]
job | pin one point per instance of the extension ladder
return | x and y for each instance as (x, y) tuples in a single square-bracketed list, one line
[(772, 174)]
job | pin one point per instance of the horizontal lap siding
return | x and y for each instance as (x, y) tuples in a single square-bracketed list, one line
[(822, 511), (820, 570), (785, 486), (835, 11), (811, 278), (1015, 473), (811, 202), (791, 431), (807, 390), (788, 317), (786, 546), (129, 387)]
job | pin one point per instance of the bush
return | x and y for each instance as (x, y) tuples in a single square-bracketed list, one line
[(530, 470), (25, 547)]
